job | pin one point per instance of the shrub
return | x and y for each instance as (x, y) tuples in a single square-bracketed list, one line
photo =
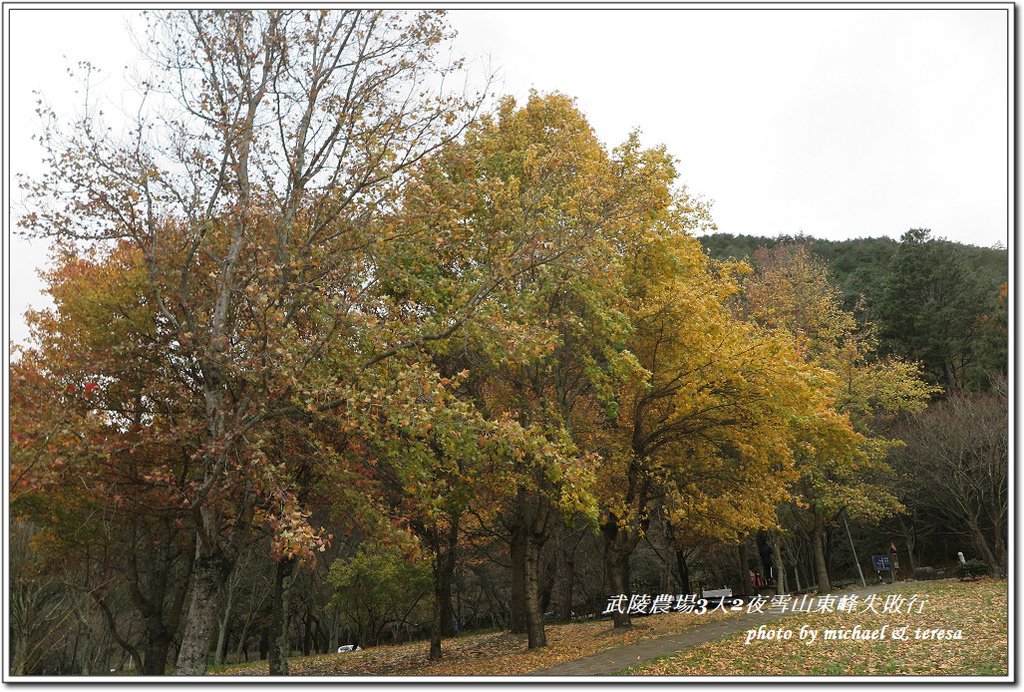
[(380, 585), (972, 569)]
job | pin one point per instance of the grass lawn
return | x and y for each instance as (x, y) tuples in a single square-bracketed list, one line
[(978, 609), (494, 653)]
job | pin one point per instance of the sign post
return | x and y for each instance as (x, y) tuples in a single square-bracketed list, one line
[(883, 563)]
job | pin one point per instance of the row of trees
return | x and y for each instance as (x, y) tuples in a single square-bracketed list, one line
[(944, 305), (331, 343)]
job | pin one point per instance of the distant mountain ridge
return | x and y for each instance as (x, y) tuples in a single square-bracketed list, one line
[(935, 301), (858, 265)]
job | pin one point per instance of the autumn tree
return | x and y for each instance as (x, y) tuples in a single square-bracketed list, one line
[(612, 203), (278, 136), (538, 362), (790, 290), (545, 169), (431, 458), (102, 443), (714, 402)]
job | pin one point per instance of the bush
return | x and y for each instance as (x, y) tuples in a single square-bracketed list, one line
[(381, 585), (972, 569)]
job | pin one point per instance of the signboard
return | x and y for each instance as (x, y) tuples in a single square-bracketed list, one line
[(882, 563)]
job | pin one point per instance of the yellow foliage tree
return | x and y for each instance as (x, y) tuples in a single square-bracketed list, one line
[(790, 290), (714, 408)]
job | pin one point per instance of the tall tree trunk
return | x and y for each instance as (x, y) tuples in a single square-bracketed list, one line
[(795, 557), (158, 644), (779, 567), (532, 526), (242, 647), (441, 623), (280, 646), (616, 560), (436, 627), (909, 539), (565, 578), (209, 572), (222, 634), (307, 633), (910, 553), (999, 545), (981, 545), (746, 587), (1002, 557), (443, 592), (162, 621), (684, 571), (517, 555), (820, 566), (441, 613), (332, 644), (547, 585), (19, 646), (535, 635)]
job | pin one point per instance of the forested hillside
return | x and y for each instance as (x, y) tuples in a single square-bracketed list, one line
[(933, 300)]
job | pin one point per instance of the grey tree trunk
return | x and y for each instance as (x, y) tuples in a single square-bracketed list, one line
[(565, 577), (1002, 557), (746, 587), (444, 569), (535, 635), (517, 555), (684, 572), (981, 545), (447, 556), (795, 557), (435, 628), (158, 644), (779, 566), (222, 634), (19, 644), (280, 605), (208, 575), (910, 554), (853, 550), (820, 566), (616, 558), (242, 648)]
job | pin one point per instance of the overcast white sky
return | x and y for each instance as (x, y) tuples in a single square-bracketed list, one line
[(837, 123)]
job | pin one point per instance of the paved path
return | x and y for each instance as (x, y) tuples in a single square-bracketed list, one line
[(611, 660)]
